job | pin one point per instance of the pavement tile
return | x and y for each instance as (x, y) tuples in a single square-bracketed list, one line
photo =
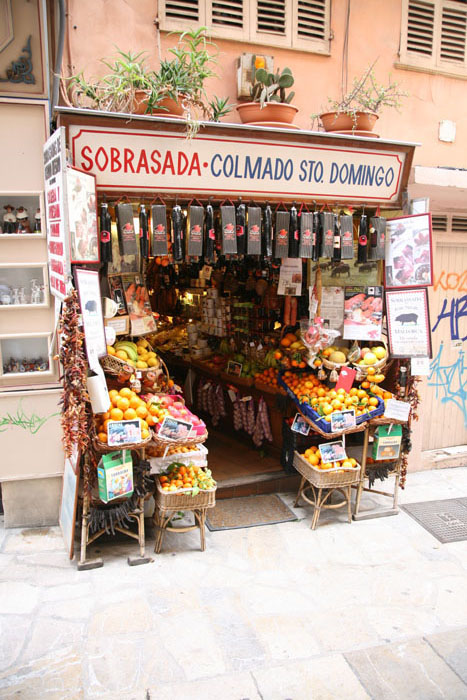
[(126, 617), (20, 598), (452, 646), (325, 678), (112, 664), (406, 671), (52, 677), (13, 633), (285, 637), (32, 540), (49, 634), (240, 686)]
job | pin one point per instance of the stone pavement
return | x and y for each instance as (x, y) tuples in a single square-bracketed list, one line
[(376, 609)]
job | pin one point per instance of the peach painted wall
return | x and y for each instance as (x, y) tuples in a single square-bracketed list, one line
[(94, 28)]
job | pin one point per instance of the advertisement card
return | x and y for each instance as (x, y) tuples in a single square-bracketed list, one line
[(254, 231), (123, 432), (195, 230), (139, 307), (397, 410), (300, 425), (409, 256), (281, 234), (82, 216), (126, 229), (408, 322), (229, 230), (117, 294), (234, 368), (159, 244), (174, 429), (91, 310), (363, 313), (290, 277), (343, 420), (332, 451), (332, 307)]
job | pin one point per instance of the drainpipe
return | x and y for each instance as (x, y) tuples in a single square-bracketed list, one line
[(59, 57)]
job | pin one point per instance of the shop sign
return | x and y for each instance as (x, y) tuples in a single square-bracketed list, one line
[(56, 213), (165, 162)]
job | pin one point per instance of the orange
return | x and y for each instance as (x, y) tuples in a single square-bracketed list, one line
[(144, 424), (102, 437), (135, 402), (116, 414), (144, 434), (126, 392), (182, 470), (371, 370), (353, 392), (153, 409), (361, 394), (112, 393), (141, 411), (130, 414), (313, 459), (105, 425), (373, 401), (106, 415), (150, 421), (321, 392), (387, 395), (123, 404), (115, 400)]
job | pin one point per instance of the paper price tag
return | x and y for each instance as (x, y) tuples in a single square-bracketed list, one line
[(398, 410), (246, 398), (232, 395), (456, 344), (420, 366)]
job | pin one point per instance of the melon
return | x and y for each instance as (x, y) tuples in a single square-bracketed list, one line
[(338, 357)]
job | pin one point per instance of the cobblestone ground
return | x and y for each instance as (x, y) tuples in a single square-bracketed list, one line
[(376, 609)]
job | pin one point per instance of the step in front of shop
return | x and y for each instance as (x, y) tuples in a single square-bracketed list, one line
[(271, 482)]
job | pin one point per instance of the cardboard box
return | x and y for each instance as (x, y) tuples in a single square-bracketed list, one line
[(115, 475), (387, 442)]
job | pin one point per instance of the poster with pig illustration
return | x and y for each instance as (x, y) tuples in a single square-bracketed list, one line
[(409, 255), (138, 305), (363, 313), (409, 324)]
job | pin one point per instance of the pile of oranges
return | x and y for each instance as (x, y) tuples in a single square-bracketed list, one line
[(313, 457), (126, 405), (268, 376), (180, 476), (382, 393), (308, 389), (372, 376)]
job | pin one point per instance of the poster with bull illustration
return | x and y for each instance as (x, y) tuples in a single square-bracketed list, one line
[(91, 308), (363, 313), (408, 321), (409, 254), (82, 217)]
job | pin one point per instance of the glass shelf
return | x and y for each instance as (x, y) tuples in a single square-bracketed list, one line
[(25, 355), (25, 219), (23, 286)]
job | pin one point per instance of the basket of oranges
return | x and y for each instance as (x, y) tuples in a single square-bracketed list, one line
[(125, 405), (185, 485), (326, 474)]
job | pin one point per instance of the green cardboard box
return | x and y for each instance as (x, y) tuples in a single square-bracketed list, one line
[(387, 442), (115, 475)]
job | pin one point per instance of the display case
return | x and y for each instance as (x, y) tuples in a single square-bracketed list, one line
[(22, 215), (23, 286), (25, 356)]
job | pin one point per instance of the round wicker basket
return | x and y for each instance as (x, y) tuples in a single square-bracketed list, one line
[(379, 365), (104, 448)]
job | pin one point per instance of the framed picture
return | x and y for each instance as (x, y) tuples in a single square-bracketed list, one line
[(234, 368), (332, 451), (300, 425), (363, 313), (121, 432), (408, 320), (343, 420), (409, 252), (138, 305), (91, 308), (174, 429), (82, 215)]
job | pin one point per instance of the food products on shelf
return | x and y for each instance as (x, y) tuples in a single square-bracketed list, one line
[(138, 355), (172, 406), (313, 457), (125, 405), (183, 478)]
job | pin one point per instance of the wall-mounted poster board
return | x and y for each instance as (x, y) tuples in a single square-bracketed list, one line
[(91, 308), (408, 321), (409, 252), (82, 217)]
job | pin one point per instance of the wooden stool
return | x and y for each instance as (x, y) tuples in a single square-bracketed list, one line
[(162, 518), (319, 496)]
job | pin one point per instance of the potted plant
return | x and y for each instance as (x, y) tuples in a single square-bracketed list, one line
[(124, 89), (269, 102), (359, 109)]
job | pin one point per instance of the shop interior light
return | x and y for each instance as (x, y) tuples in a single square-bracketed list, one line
[(277, 325)]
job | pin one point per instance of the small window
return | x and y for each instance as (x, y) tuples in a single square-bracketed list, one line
[(299, 24), (434, 36)]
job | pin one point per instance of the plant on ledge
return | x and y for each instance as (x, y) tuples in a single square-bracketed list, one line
[(269, 101)]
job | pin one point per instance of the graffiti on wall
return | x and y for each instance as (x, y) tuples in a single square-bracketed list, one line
[(450, 380), (453, 310), (32, 423), (451, 280)]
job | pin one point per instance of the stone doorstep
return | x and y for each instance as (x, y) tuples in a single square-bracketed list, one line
[(270, 482), (442, 458)]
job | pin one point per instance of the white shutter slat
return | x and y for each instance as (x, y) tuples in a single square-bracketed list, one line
[(227, 13), (182, 9), (459, 224), (420, 28)]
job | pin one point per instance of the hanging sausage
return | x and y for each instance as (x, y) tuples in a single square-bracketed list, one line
[(347, 251), (159, 243), (241, 228), (336, 248), (377, 238), (254, 231), (306, 235), (327, 228), (281, 234), (210, 234), (229, 233), (294, 236), (267, 232), (177, 232), (126, 229), (195, 230), (143, 233), (316, 237)]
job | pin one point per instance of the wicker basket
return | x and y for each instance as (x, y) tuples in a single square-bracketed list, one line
[(325, 478), (182, 499), (379, 365), (104, 448), (195, 440), (114, 365)]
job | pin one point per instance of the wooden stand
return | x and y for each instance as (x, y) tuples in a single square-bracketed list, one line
[(394, 494), (162, 518), (86, 539)]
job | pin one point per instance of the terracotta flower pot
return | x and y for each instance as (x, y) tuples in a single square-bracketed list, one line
[(272, 112), (172, 108), (340, 121), (140, 102)]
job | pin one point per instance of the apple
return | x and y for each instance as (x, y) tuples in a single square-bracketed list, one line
[(363, 352), (370, 358)]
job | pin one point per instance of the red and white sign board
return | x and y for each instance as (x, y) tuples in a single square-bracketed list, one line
[(57, 213), (168, 162)]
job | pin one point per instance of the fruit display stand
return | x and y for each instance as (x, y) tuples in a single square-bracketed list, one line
[(318, 485), (169, 503)]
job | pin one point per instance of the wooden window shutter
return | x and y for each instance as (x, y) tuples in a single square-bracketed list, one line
[(228, 18), (439, 222), (421, 29), (453, 32), (271, 22), (312, 25), (178, 14)]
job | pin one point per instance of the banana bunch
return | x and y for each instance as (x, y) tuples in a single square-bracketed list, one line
[(224, 348), (138, 355)]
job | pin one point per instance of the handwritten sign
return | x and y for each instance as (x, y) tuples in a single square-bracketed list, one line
[(265, 166), (408, 323), (397, 410)]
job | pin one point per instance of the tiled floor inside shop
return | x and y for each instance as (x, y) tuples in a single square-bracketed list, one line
[(230, 458), (373, 609)]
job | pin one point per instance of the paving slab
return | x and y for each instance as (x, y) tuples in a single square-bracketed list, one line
[(452, 647), (240, 686), (325, 678), (406, 671)]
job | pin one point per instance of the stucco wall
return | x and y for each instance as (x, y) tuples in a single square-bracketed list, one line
[(95, 28)]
